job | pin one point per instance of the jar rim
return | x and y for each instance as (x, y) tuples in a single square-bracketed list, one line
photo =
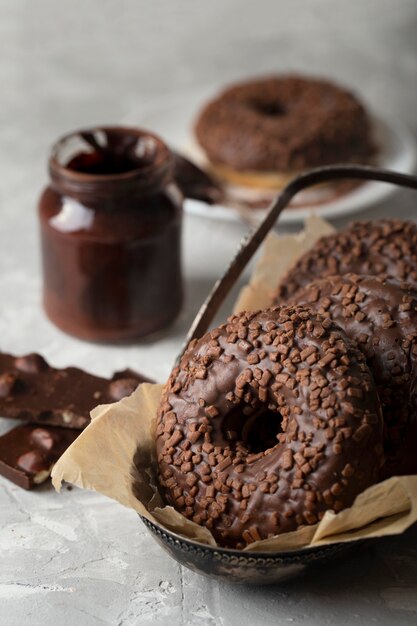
[(155, 163), (161, 151)]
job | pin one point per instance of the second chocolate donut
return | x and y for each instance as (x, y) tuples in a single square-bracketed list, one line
[(381, 316)]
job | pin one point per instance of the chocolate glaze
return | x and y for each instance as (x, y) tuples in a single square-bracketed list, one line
[(111, 235), (284, 124), (295, 370), (381, 316), (28, 452), (32, 390), (377, 248)]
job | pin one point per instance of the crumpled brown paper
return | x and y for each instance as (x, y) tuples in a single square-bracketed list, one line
[(115, 454), (279, 253)]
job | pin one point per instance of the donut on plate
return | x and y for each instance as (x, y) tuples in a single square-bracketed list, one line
[(381, 316), (386, 247), (269, 420), (260, 133)]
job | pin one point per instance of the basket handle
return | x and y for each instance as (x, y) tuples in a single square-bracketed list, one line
[(251, 242)]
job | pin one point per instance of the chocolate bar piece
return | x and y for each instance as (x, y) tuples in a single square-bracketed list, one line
[(32, 390), (28, 452)]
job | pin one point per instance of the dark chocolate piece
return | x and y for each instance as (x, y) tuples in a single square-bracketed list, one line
[(284, 373), (122, 387), (32, 390), (28, 452)]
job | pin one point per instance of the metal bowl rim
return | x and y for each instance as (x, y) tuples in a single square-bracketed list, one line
[(252, 553)]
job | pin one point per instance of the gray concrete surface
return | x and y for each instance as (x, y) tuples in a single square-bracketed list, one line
[(77, 558)]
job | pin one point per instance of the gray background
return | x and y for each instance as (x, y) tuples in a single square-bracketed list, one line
[(77, 558)]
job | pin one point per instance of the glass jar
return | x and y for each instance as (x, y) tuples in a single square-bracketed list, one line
[(111, 235)]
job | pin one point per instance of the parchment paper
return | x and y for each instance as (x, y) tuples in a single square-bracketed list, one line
[(115, 454), (279, 253)]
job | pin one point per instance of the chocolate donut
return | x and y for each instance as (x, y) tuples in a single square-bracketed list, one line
[(284, 124), (381, 315), (269, 420), (376, 248)]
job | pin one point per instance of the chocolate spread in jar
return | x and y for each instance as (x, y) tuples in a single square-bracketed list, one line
[(111, 235)]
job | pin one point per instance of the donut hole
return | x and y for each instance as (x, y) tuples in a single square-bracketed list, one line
[(258, 429), (270, 108)]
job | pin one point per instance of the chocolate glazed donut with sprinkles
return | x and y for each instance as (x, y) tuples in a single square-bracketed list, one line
[(381, 316), (270, 420), (386, 247)]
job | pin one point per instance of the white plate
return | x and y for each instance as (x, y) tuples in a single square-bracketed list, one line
[(173, 122)]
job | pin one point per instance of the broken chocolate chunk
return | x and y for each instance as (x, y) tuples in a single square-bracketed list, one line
[(32, 390), (28, 452), (122, 387)]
